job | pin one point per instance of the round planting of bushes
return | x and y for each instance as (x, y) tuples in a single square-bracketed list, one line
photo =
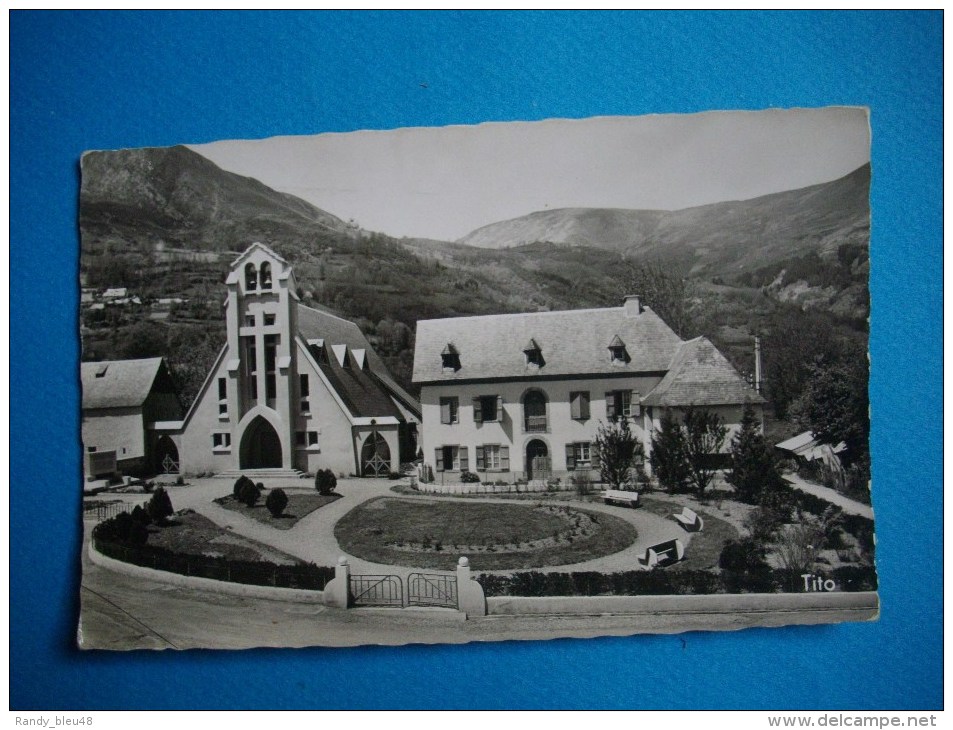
[(325, 481)]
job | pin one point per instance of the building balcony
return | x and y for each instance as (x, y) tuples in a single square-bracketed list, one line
[(535, 424)]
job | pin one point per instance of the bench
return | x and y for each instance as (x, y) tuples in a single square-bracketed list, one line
[(617, 496), (689, 519), (663, 554)]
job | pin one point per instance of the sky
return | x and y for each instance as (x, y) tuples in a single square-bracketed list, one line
[(444, 182)]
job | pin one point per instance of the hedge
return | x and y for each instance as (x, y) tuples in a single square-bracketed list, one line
[(662, 583), (307, 576)]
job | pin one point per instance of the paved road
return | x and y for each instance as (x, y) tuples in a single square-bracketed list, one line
[(121, 612)]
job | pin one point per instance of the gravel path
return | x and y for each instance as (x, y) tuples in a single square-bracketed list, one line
[(312, 538)]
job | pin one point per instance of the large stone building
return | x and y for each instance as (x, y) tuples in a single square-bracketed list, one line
[(524, 394), (294, 389)]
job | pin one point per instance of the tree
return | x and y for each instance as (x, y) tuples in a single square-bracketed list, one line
[(619, 451), (248, 493), (160, 506), (753, 470), (704, 436), (669, 462), (666, 291), (835, 404)]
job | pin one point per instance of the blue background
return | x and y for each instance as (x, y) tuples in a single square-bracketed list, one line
[(81, 81)]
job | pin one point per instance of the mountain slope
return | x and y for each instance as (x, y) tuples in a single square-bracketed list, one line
[(177, 197), (717, 239)]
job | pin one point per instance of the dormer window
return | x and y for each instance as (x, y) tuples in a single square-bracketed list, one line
[(450, 358), (534, 355), (251, 277), (617, 352), (265, 275)]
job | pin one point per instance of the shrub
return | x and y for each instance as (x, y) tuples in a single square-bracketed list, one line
[(141, 516), (261, 486), (325, 481), (394, 475), (468, 477), (239, 483), (742, 556), (160, 506), (249, 494), (276, 502), (582, 483), (180, 481)]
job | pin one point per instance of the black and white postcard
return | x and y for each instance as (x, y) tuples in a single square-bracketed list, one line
[(517, 380)]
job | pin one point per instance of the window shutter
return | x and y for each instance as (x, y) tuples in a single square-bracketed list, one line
[(464, 461), (594, 454), (636, 408), (499, 408), (570, 457), (477, 411), (610, 405), (444, 411), (576, 405), (439, 459), (505, 458), (481, 459), (584, 405)]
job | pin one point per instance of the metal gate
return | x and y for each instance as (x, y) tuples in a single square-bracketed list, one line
[(542, 467), (376, 590), (432, 589)]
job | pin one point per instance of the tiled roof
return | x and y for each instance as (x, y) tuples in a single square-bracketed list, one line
[(573, 342), (367, 393), (118, 383), (699, 375)]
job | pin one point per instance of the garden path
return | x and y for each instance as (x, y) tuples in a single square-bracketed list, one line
[(312, 537), (850, 506)]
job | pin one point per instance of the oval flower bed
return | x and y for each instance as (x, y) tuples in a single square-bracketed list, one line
[(434, 533)]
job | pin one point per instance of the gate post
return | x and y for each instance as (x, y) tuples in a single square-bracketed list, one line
[(336, 591), (470, 596)]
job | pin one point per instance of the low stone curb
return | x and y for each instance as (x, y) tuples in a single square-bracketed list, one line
[(720, 603), (294, 595)]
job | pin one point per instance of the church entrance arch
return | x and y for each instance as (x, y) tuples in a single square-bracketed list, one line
[(260, 447), (375, 456)]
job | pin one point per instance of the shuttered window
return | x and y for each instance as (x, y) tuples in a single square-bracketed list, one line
[(449, 409), (464, 460), (579, 402), (480, 459), (611, 405), (487, 408), (505, 458), (570, 457), (438, 458)]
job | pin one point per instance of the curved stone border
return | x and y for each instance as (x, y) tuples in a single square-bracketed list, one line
[(295, 595)]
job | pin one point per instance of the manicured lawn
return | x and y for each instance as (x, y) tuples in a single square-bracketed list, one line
[(193, 534), (431, 533), (706, 546), (300, 505)]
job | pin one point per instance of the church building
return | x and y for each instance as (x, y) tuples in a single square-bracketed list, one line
[(294, 389)]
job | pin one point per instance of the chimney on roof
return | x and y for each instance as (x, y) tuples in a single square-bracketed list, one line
[(632, 305)]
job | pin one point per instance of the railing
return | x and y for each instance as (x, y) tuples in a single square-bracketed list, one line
[(104, 510), (432, 589), (534, 424)]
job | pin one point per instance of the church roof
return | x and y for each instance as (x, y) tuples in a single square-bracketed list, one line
[(699, 375), (118, 383), (367, 393), (574, 343)]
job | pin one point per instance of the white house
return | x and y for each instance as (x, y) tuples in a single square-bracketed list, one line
[(524, 394)]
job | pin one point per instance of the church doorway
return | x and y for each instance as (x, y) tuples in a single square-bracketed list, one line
[(261, 447), (375, 456), (166, 460)]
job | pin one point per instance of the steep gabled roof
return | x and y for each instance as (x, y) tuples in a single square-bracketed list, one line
[(118, 383), (356, 385), (699, 375), (575, 343)]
